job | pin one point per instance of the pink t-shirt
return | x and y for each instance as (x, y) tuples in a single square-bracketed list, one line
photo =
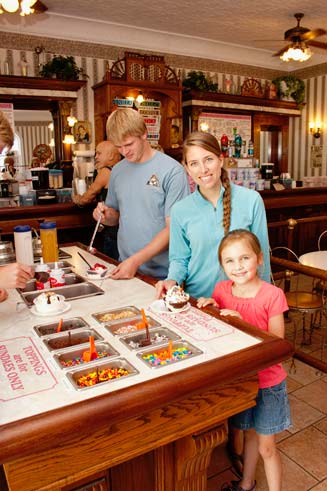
[(268, 302)]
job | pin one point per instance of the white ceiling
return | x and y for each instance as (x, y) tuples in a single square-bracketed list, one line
[(239, 31)]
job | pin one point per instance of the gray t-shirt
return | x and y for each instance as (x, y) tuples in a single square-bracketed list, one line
[(144, 193)]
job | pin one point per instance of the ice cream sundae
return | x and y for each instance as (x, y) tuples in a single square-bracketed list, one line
[(49, 302), (176, 299), (97, 271)]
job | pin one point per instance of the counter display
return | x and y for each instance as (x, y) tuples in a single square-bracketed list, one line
[(54, 403)]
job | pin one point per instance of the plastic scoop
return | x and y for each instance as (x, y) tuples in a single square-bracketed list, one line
[(170, 349), (143, 323), (59, 325), (147, 340), (92, 353)]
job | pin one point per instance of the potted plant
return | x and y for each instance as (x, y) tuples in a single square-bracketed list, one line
[(62, 67), (198, 81), (289, 86)]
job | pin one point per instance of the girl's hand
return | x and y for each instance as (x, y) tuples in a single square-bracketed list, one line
[(204, 302), (163, 286), (230, 312)]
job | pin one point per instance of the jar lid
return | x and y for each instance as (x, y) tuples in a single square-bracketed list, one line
[(47, 225), (22, 228)]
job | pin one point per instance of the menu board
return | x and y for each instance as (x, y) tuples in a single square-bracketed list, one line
[(217, 124)]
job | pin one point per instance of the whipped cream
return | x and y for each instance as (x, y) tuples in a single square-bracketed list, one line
[(176, 298), (49, 302)]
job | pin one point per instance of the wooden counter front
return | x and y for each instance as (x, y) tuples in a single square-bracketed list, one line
[(155, 435), (68, 217)]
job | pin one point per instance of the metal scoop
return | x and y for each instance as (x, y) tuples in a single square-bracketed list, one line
[(92, 249)]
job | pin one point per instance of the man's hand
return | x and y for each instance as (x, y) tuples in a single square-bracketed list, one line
[(125, 270)]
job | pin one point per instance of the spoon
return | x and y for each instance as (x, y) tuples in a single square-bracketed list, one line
[(89, 265)]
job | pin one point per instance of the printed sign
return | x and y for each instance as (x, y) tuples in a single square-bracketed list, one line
[(23, 371)]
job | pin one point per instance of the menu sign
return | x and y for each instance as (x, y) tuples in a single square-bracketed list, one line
[(23, 371), (198, 325)]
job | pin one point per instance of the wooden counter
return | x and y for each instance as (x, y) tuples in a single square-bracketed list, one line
[(155, 435)]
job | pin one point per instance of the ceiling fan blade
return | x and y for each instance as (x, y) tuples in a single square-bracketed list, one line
[(317, 44), (283, 50), (39, 7), (307, 36)]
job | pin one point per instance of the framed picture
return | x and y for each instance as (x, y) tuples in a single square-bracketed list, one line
[(82, 132)]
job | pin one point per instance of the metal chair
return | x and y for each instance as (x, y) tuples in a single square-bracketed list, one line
[(304, 302)]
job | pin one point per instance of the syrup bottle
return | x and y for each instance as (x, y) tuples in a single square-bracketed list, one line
[(224, 145)]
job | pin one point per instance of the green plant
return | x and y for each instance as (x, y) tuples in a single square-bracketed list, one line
[(198, 81), (62, 67), (293, 87)]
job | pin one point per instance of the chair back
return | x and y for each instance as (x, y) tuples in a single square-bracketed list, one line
[(320, 237)]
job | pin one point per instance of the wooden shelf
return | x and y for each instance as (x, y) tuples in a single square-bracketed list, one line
[(234, 102), (39, 83)]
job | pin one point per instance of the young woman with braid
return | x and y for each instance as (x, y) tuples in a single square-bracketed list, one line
[(199, 222)]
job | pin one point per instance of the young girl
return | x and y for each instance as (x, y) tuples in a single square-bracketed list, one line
[(261, 304)]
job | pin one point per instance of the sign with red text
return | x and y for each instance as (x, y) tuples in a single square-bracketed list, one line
[(23, 371)]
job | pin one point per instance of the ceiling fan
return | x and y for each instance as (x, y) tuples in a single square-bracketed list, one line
[(39, 7), (300, 38), (25, 7)]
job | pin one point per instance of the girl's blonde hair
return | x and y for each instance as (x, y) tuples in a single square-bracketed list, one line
[(237, 235), (123, 123), (209, 142)]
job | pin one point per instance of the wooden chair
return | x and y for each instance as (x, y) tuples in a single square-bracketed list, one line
[(302, 301)]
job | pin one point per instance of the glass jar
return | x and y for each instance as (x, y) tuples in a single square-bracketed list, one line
[(48, 234)]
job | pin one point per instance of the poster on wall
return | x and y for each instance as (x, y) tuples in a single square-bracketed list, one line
[(316, 156), (8, 110), (217, 124)]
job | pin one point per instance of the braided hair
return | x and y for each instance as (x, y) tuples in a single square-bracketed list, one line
[(209, 142)]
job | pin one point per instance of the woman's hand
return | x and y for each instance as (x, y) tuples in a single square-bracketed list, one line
[(163, 286), (204, 302), (15, 275), (3, 295)]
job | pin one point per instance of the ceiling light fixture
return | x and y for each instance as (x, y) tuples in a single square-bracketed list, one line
[(11, 6), (297, 52)]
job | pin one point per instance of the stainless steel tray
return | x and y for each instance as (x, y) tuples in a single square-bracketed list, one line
[(117, 363), (70, 279), (132, 341), (76, 355), (70, 292), (182, 344), (116, 315), (70, 338), (67, 325), (129, 326)]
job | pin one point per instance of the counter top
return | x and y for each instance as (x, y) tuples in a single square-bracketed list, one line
[(48, 401)]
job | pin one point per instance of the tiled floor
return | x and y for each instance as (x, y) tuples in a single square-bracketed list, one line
[(303, 447)]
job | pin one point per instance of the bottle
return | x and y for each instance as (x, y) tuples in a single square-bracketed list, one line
[(48, 234), (224, 145), (238, 144), (57, 276), (23, 244), (250, 148)]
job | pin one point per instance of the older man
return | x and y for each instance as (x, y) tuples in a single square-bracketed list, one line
[(106, 156)]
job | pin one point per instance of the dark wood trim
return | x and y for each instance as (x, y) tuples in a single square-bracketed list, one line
[(39, 83)]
